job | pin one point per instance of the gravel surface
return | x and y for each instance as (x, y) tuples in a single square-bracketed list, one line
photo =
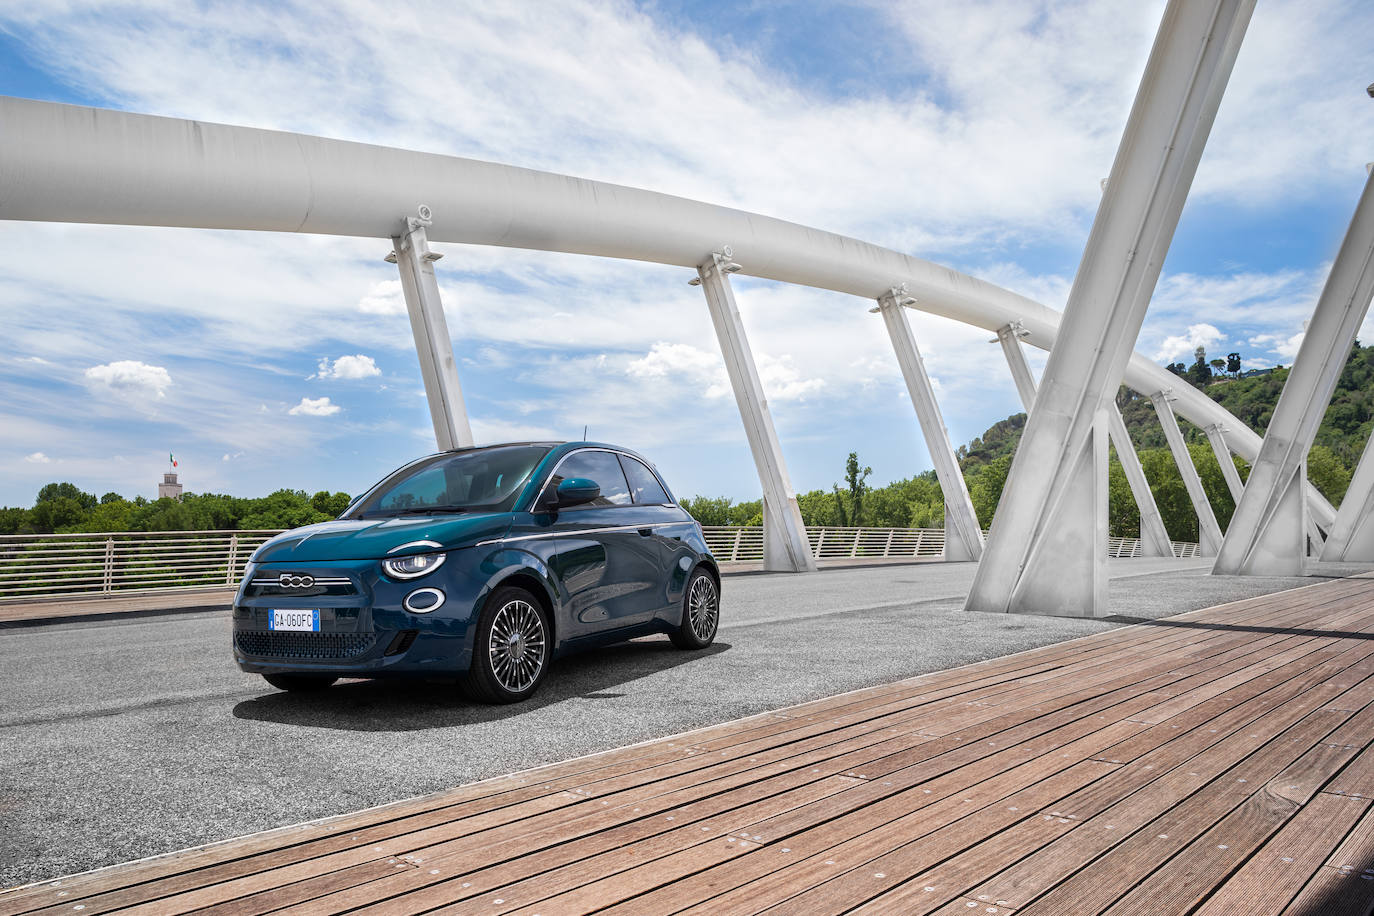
[(130, 738)]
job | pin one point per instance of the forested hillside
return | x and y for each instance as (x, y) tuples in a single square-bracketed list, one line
[(918, 502)]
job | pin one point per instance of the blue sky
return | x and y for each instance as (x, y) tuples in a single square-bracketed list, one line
[(971, 134)]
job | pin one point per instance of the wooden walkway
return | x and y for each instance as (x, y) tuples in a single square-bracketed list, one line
[(1218, 762)]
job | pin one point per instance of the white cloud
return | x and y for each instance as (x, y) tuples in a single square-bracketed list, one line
[(1289, 348), (704, 372), (38, 458), (131, 379), (701, 369), (348, 367), (384, 298), (1198, 335), (315, 407)]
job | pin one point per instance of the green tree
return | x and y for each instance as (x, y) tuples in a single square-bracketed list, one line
[(55, 514), (64, 490), (331, 504), (708, 510), (985, 485), (13, 519), (1328, 473), (282, 509)]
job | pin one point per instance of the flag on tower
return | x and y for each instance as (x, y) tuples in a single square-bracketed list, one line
[(171, 459)]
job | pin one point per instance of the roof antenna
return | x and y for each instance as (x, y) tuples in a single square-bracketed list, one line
[(584, 434)]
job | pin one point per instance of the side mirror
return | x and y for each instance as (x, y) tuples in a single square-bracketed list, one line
[(575, 491)]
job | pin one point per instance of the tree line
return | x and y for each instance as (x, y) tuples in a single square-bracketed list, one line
[(65, 508)]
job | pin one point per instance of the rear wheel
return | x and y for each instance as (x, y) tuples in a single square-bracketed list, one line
[(299, 683), (511, 651), (700, 612)]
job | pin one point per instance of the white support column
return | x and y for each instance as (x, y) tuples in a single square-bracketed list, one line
[(1217, 436), (1009, 336), (1352, 534), (1268, 533), (1154, 537), (785, 546), (963, 535), (1209, 532), (415, 261), (1048, 548)]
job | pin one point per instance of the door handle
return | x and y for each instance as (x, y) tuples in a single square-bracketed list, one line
[(645, 532)]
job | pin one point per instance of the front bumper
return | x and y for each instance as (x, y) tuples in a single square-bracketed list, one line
[(365, 631)]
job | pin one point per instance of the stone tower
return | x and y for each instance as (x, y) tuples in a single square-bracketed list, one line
[(169, 487)]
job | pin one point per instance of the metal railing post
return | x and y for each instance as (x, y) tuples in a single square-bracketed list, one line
[(233, 559), (108, 578)]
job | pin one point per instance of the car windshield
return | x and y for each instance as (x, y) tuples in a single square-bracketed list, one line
[(479, 480)]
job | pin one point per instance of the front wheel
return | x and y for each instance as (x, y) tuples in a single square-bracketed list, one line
[(299, 683), (700, 613), (511, 651)]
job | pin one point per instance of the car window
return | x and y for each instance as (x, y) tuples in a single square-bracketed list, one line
[(484, 479), (601, 467), (644, 486)]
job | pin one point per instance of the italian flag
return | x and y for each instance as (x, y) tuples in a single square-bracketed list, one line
[(171, 459)]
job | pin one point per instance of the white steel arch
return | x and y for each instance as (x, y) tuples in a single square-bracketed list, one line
[(67, 163)]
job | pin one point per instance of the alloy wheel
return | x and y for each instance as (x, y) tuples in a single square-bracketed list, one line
[(516, 646), (703, 607)]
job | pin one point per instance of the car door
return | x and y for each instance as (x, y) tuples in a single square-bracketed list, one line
[(606, 557), (670, 525)]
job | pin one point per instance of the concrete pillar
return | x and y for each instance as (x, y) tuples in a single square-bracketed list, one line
[(415, 262), (1048, 548), (785, 547), (1352, 534), (1268, 533), (1154, 537), (1209, 532), (963, 536)]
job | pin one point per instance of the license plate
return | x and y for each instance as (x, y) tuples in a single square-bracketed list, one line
[(307, 619)]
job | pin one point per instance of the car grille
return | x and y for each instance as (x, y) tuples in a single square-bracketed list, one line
[(271, 587), (278, 644)]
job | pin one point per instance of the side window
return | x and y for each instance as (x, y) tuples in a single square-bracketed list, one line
[(644, 486), (601, 467)]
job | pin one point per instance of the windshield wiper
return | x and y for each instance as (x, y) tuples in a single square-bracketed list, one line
[(430, 510), (413, 510)]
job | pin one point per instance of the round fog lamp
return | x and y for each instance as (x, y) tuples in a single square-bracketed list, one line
[(424, 601)]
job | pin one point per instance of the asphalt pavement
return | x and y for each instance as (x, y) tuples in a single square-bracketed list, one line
[(123, 739)]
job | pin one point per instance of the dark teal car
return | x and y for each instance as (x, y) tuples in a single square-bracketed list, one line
[(481, 563)]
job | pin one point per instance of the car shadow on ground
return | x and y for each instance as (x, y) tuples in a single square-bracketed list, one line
[(403, 705)]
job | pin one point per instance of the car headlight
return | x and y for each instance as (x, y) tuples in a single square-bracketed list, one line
[(413, 566)]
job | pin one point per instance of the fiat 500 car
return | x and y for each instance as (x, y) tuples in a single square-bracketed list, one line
[(483, 564)]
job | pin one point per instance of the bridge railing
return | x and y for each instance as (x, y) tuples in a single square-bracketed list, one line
[(744, 544), (55, 565), (108, 563)]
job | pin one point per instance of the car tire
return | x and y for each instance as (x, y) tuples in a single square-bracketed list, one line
[(299, 683), (700, 612), (511, 649)]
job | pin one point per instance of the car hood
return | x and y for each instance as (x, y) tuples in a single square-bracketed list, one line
[(374, 538)]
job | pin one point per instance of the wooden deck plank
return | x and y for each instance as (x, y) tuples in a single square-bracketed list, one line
[(1167, 767), (1287, 862)]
